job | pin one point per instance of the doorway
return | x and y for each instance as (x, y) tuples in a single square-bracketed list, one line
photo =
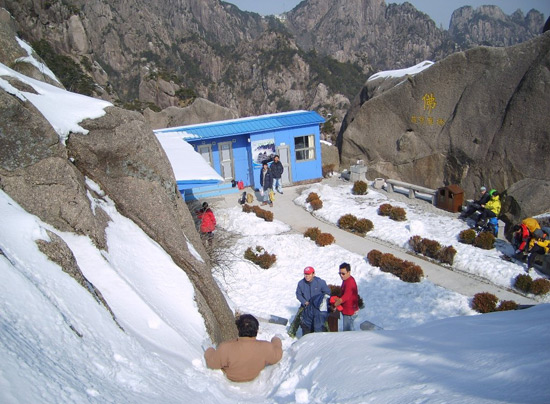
[(284, 157), (226, 160)]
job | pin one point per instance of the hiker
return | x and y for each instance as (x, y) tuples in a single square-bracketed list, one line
[(477, 205), (277, 171), (522, 234), (266, 183), (490, 209), (538, 245), (308, 288), (349, 297), (243, 359), (208, 222)]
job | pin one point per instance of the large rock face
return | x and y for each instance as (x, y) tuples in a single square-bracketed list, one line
[(476, 118)]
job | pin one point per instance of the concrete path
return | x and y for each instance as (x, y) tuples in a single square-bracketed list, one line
[(299, 220)]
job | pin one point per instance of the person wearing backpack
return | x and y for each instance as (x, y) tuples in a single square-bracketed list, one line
[(539, 245)]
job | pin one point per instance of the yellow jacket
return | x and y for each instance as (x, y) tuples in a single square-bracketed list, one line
[(544, 243), (531, 224), (494, 205)]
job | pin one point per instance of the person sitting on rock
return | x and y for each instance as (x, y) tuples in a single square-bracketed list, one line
[(491, 209), (538, 245), (477, 205)]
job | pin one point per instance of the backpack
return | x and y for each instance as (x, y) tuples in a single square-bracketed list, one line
[(271, 195), (242, 199), (249, 198)]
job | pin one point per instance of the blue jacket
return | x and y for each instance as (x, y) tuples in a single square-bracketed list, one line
[(306, 290), (277, 169), (313, 317)]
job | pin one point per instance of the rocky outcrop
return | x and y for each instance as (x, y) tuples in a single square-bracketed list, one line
[(200, 111), (476, 118)]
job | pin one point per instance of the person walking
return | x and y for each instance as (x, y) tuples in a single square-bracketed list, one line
[(307, 290), (277, 170), (208, 222), (243, 359), (266, 182), (349, 297)]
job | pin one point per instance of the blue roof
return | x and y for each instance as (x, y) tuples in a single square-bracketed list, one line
[(247, 125)]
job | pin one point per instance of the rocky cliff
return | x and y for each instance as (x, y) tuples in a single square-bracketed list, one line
[(164, 53), (475, 118), (49, 178)]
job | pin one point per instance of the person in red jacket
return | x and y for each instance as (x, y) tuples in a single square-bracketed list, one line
[(208, 222), (349, 297)]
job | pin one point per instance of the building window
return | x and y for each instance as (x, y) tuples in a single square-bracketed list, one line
[(304, 147)]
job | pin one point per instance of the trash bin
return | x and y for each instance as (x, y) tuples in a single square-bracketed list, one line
[(449, 198)]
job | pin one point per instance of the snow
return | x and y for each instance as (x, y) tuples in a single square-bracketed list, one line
[(59, 345), (182, 156), (32, 60), (402, 72)]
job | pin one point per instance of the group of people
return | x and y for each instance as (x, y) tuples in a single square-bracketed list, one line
[(270, 178), (315, 297), (488, 205), (529, 240)]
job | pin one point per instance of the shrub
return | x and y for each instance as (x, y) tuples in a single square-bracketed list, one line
[(362, 226), (415, 242), (261, 213), (430, 248), (398, 214), (384, 209), (447, 255), (335, 290), (311, 197), (392, 264), (523, 282), (506, 305), (359, 188), (316, 204), (247, 208), (467, 236), (411, 273), (324, 239), (260, 257), (485, 240), (540, 286), (347, 222), (312, 233), (374, 257), (328, 170), (484, 302)]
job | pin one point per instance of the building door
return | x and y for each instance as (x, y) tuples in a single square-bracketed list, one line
[(284, 156), (205, 150), (226, 160)]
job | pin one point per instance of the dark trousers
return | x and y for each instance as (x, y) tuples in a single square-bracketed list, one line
[(536, 250)]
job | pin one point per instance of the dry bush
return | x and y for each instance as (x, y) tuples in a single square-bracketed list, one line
[(540, 286), (335, 290), (312, 233), (411, 273), (467, 236), (374, 257), (415, 242), (363, 226), (324, 239), (359, 188), (260, 257), (485, 240), (523, 282), (248, 208), (392, 264), (507, 305), (385, 209), (316, 204), (447, 255), (430, 248), (328, 170), (311, 197), (261, 213), (484, 302), (346, 222), (398, 214)]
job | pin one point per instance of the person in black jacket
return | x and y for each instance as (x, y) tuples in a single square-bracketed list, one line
[(277, 171), (266, 182), (477, 205)]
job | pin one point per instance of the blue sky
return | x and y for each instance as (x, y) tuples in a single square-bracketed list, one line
[(440, 11)]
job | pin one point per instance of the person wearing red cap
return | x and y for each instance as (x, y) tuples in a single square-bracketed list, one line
[(309, 287), (349, 297)]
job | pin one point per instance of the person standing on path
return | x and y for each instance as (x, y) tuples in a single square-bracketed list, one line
[(309, 287), (208, 222), (349, 297), (266, 182), (277, 172)]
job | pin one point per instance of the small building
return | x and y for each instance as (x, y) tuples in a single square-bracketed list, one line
[(236, 148)]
